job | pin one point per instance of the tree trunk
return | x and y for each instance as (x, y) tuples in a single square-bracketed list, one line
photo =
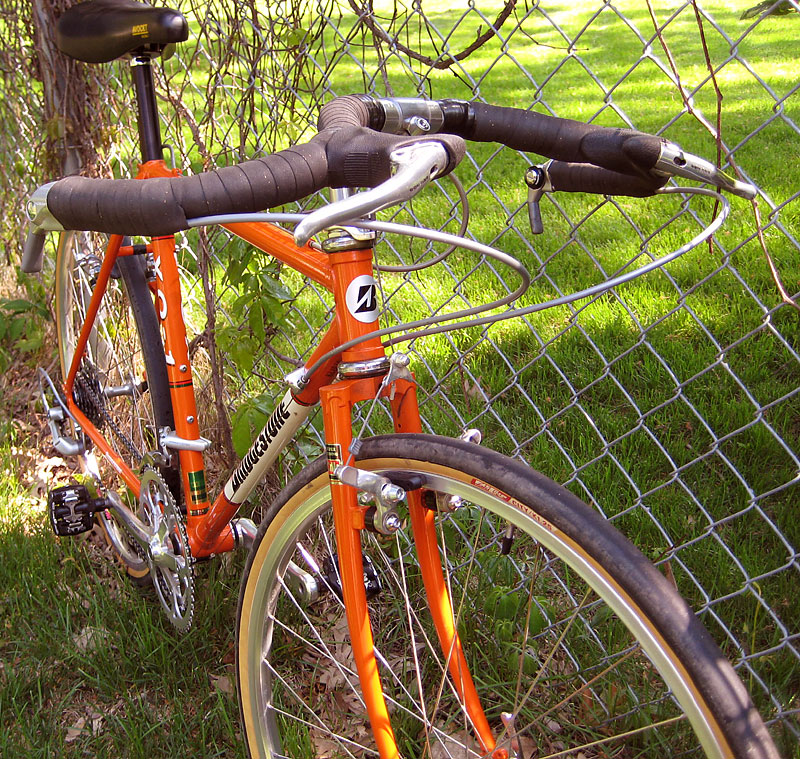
[(73, 124)]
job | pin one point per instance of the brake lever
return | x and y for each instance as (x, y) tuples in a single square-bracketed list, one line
[(41, 222), (414, 166)]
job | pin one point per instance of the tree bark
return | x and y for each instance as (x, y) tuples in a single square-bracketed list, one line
[(72, 122)]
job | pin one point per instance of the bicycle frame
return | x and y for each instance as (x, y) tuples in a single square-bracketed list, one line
[(209, 524)]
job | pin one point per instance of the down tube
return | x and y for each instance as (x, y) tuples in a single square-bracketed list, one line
[(281, 427)]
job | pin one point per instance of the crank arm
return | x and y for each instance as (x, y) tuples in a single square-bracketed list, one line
[(132, 524), (151, 543)]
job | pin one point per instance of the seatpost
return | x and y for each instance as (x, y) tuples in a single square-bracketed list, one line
[(149, 128)]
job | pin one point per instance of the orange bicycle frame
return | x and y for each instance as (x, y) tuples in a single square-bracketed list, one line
[(209, 525)]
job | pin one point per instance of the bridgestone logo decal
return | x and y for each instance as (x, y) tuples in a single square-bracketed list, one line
[(276, 421), (540, 520), (362, 299)]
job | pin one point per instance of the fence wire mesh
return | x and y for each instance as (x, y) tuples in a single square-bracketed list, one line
[(671, 404)]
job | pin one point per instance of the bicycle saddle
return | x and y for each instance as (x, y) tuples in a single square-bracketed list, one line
[(98, 31)]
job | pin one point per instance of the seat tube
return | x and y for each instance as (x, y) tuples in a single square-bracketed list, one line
[(179, 372), (149, 128)]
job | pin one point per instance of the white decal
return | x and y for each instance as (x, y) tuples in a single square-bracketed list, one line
[(162, 306), (362, 298)]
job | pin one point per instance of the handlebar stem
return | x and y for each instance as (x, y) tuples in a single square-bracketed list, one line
[(411, 115), (413, 167)]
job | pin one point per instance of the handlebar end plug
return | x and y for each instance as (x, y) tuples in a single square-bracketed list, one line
[(41, 222)]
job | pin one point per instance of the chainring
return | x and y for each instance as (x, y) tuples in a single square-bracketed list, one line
[(168, 556)]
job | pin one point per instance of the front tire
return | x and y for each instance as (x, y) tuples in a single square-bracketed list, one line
[(572, 631)]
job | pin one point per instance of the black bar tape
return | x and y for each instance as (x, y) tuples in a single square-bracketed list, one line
[(351, 110), (582, 177), (154, 207), (363, 159), (623, 150), (346, 157)]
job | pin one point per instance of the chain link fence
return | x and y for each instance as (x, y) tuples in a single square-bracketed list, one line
[(671, 404)]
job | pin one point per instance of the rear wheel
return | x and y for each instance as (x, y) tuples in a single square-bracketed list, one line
[(565, 625), (122, 384)]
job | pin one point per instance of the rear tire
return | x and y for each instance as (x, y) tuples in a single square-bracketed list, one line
[(122, 385), (574, 632)]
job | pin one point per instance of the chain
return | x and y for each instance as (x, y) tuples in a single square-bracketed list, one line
[(100, 407)]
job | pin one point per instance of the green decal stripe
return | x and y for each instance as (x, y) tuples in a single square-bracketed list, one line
[(197, 486)]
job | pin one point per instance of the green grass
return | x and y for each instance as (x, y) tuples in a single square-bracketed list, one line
[(89, 665)]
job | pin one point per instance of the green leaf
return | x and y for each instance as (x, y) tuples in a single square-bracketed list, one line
[(22, 306), (240, 304), (16, 329), (275, 288), (256, 320), (294, 37), (247, 421), (241, 434), (241, 351), (503, 603), (503, 630), (264, 403), (537, 620), (530, 664), (31, 344)]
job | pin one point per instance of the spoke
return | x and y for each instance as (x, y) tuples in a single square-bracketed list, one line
[(323, 652), (556, 645), (457, 614), (414, 620), (578, 692), (628, 734), (417, 669), (348, 675), (318, 725)]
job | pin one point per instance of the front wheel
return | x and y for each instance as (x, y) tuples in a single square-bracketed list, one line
[(566, 627)]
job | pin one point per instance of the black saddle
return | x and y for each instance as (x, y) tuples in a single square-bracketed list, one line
[(103, 30)]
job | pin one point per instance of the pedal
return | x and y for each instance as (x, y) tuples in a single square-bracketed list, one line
[(72, 509)]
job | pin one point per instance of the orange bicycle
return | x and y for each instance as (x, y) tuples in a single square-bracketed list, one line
[(405, 594)]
